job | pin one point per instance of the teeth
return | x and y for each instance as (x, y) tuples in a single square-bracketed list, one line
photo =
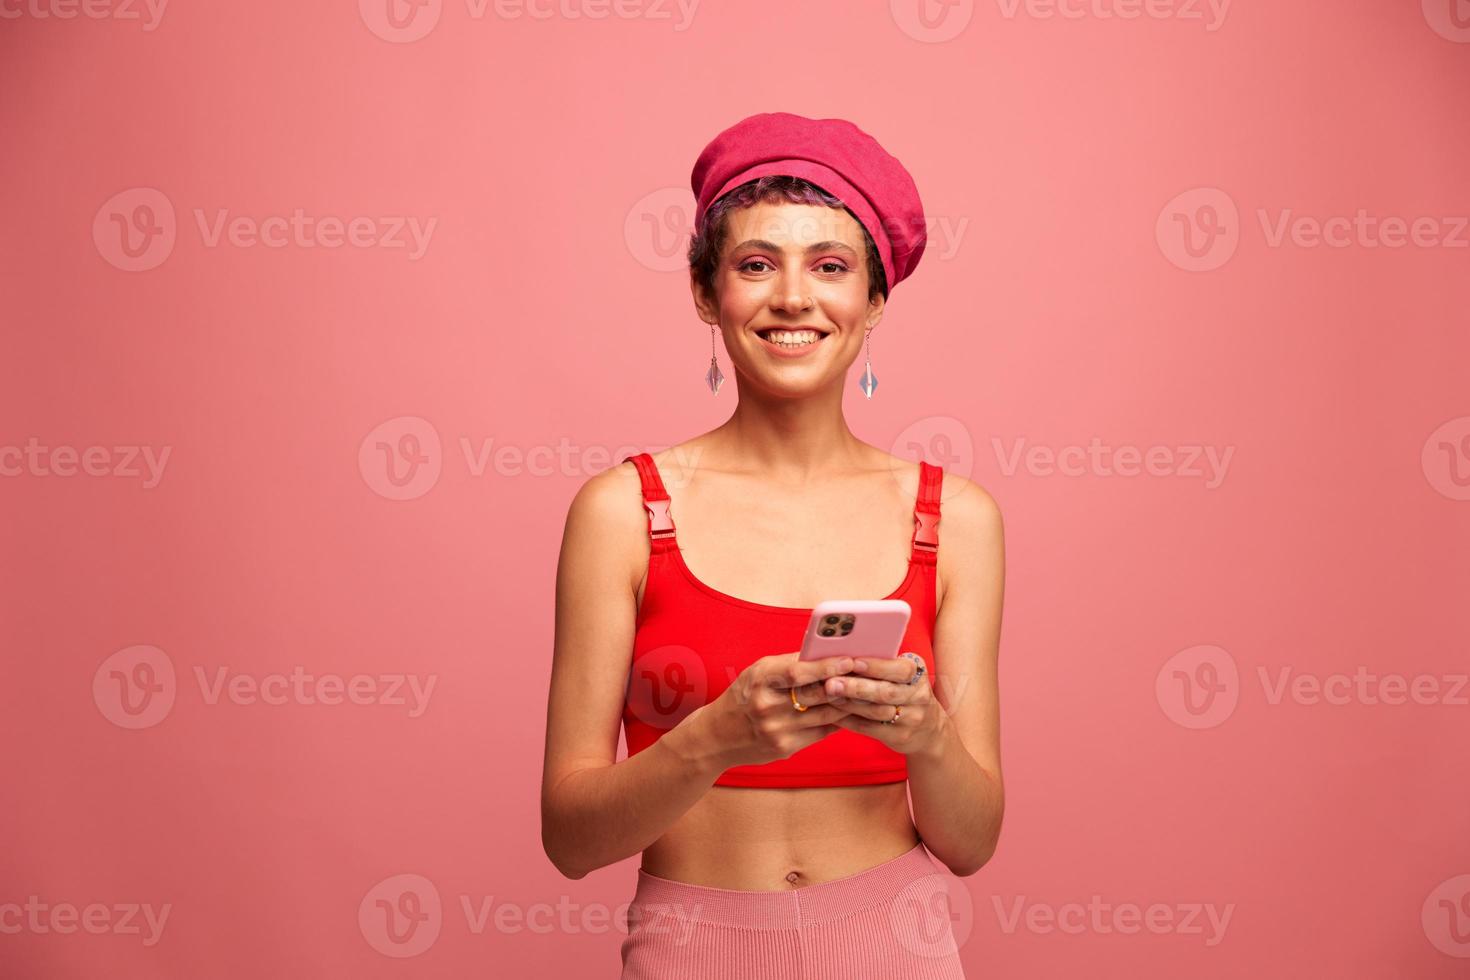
[(793, 338)]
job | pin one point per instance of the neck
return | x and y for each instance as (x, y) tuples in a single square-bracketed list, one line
[(791, 439)]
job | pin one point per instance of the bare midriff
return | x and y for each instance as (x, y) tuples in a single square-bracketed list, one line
[(750, 839)]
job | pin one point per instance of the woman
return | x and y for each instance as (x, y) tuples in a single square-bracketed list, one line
[(770, 796)]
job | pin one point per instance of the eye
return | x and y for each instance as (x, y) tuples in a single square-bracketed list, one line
[(836, 266), (744, 266)]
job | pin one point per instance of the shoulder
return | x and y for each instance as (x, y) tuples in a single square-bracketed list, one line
[(966, 508), (609, 501)]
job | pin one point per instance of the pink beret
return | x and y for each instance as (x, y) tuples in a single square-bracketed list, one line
[(836, 156)]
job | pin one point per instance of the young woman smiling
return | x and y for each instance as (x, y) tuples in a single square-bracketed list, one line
[(789, 813)]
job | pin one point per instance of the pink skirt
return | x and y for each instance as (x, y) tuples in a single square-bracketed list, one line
[(888, 921)]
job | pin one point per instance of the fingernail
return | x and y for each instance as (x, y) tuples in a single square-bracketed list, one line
[(837, 686), (861, 665), (846, 663)]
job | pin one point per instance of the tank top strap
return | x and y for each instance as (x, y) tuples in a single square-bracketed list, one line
[(926, 514), (656, 503)]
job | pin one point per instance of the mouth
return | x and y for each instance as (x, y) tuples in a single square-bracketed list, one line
[(792, 340)]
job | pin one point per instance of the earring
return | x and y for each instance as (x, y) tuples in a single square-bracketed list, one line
[(869, 381), (713, 377)]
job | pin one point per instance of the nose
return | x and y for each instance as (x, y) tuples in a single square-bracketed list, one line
[(789, 293)]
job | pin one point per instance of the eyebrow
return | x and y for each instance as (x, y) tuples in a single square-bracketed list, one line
[(763, 245)]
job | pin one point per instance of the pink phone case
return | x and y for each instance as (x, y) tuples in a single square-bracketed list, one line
[(859, 628)]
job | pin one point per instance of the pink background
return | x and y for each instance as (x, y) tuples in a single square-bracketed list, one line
[(1060, 302)]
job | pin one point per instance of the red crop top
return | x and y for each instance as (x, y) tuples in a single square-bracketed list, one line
[(693, 640)]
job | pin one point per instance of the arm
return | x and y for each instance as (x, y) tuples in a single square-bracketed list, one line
[(955, 781), (595, 812)]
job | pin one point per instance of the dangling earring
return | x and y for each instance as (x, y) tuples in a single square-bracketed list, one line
[(869, 381), (713, 377)]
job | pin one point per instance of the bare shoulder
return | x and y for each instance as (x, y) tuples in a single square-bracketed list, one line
[(968, 510), (609, 499), (606, 523)]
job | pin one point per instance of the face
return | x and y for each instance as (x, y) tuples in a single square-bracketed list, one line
[(800, 269)]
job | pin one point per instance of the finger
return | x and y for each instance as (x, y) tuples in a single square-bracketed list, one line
[(814, 693), (795, 672), (873, 713), (899, 669), (867, 726), (822, 714), (858, 688)]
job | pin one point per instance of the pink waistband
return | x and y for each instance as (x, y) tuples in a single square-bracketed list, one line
[(785, 908)]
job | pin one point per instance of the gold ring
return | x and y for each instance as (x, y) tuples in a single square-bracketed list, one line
[(795, 703), (897, 710)]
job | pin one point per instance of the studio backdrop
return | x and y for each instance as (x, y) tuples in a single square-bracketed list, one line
[(317, 315)]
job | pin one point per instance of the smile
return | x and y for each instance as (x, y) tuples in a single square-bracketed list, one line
[(790, 342)]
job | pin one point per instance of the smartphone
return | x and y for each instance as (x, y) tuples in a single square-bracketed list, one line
[(856, 628)]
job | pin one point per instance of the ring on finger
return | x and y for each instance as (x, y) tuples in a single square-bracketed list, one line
[(919, 664)]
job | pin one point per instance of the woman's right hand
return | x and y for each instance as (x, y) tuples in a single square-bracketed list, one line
[(753, 720)]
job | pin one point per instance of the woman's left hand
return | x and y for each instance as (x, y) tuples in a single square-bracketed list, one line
[(869, 695)]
